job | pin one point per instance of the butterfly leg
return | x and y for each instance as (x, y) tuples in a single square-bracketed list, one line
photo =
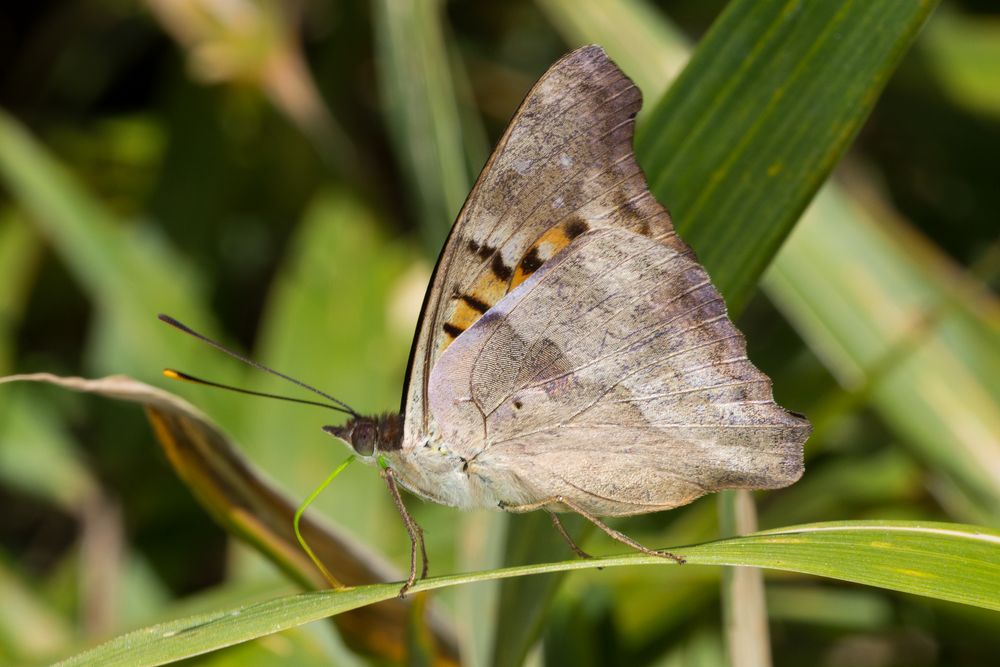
[(617, 535), (412, 528), (611, 532), (566, 536)]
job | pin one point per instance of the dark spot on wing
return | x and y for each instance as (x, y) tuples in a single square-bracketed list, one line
[(475, 303), (472, 246), (500, 270), (644, 228), (518, 404), (575, 227), (531, 261), (452, 330), (486, 251)]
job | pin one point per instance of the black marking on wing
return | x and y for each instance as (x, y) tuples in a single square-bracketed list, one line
[(622, 201), (531, 262), (475, 303), (575, 227), (452, 330), (500, 270), (485, 251)]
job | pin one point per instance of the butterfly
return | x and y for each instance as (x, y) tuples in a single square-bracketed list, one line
[(572, 355)]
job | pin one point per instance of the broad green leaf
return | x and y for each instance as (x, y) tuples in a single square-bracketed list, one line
[(772, 97), (948, 561)]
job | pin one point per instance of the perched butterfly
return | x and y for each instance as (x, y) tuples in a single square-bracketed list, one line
[(572, 354)]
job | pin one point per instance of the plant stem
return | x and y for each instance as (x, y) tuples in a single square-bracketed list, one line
[(743, 606)]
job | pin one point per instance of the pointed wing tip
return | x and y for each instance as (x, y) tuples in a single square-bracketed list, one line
[(589, 53)]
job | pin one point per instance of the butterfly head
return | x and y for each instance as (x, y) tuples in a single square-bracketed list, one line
[(368, 436)]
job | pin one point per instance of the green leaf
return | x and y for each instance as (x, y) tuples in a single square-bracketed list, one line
[(772, 97), (948, 561)]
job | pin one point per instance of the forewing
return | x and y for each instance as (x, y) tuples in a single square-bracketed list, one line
[(564, 166), (614, 375)]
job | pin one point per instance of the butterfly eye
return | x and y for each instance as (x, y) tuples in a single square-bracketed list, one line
[(363, 438)]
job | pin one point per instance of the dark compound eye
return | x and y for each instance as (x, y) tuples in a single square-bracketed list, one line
[(363, 438)]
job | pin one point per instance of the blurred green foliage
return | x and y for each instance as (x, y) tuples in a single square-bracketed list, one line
[(258, 169)]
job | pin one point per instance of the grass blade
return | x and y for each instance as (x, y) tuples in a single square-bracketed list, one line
[(947, 561), (771, 99)]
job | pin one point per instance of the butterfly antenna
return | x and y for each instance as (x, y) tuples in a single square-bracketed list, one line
[(178, 375), (343, 407)]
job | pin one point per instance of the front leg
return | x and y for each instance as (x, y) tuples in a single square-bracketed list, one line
[(413, 530)]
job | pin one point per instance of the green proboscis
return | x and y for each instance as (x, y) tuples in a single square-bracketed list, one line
[(301, 510)]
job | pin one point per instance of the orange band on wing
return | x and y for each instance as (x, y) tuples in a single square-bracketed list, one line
[(546, 247), (498, 279)]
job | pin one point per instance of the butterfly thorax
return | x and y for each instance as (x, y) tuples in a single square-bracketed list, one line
[(429, 468), (434, 470)]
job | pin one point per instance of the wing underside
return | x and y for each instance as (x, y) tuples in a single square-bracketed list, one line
[(614, 375), (565, 166)]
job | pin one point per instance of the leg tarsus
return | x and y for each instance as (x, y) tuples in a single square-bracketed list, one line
[(566, 536)]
